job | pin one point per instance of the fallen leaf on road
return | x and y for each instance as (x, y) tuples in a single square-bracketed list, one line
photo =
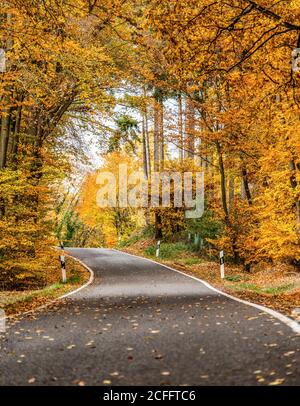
[(277, 382), (287, 354)]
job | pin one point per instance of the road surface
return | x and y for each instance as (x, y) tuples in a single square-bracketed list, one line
[(142, 324)]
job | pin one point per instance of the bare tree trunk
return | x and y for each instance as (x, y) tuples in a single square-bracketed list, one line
[(294, 185), (147, 143), (6, 111), (4, 136), (16, 134), (180, 127), (157, 156), (161, 136), (231, 194), (145, 152), (243, 191), (224, 203), (246, 185), (156, 138), (146, 130), (190, 127), (223, 181)]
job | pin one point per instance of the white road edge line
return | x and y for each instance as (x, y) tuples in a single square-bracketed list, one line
[(90, 281), (294, 325)]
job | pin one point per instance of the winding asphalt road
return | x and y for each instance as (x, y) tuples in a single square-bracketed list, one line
[(142, 324)]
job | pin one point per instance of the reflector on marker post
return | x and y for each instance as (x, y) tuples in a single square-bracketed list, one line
[(222, 264)]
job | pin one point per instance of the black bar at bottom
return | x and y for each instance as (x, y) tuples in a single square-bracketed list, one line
[(134, 395)]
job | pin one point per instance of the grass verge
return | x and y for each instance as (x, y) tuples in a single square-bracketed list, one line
[(14, 302), (277, 287)]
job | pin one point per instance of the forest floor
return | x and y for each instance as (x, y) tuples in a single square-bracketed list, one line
[(14, 302), (276, 287)]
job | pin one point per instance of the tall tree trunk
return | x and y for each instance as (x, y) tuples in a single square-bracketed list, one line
[(190, 127), (231, 194), (148, 155), (16, 134), (4, 135), (156, 138), (225, 205), (246, 186), (146, 129), (180, 127), (157, 156), (294, 185), (6, 102), (146, 149), (161, 136), (223, 181), (145, 152)]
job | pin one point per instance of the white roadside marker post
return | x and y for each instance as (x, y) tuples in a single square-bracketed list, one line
[(63, 264), (2, 321), (63, 268), (222, 265), (158, 249)]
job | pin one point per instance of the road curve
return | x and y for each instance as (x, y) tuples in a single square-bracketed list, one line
[(140, 323)]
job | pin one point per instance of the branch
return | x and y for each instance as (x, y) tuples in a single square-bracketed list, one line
[(248, 54), (274, 16)]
